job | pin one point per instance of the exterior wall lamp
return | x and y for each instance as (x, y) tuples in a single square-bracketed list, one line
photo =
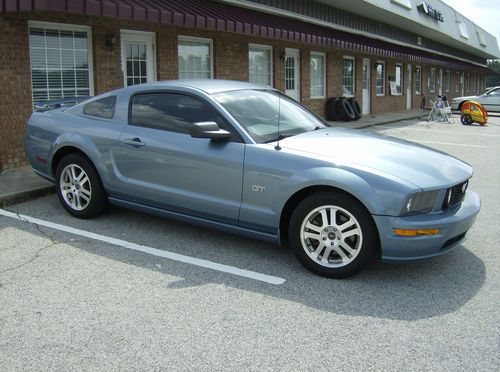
[(110, 41)]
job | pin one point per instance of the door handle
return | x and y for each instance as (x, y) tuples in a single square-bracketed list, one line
[(135, 142)]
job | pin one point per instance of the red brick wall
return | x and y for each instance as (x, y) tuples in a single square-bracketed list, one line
[(15, 90), (230, 62)]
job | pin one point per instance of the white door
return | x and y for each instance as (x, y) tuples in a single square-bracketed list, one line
[(292, 73), (440, 82), (409, 84), (365, 109), (138, 58)]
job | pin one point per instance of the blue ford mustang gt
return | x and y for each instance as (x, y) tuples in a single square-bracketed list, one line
[(246, 159)]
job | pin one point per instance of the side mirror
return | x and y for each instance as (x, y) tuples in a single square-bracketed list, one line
[(208, 129)]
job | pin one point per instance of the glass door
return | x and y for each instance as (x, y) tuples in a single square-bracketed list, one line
[(138, 62), (292, 73)]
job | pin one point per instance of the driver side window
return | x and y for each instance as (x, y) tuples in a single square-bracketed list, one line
[(171, 112)]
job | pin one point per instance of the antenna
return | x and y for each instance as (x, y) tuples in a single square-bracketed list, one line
[(277, 147)]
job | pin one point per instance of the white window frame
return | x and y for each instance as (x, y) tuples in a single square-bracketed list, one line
[(383, 79), (401, 78), (271, 62), (432, 69), (353, 59), (457, 85), (418, 78), (67, 27), (403, 3), (319, 54), (482, 39), (462, 28), (202, 40)]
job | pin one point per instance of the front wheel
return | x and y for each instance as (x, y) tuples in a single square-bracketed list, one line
[(466, 119), (333, 235), (79, 187)]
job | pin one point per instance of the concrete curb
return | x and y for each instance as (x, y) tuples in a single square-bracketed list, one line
[(25, 195), (395, 120)]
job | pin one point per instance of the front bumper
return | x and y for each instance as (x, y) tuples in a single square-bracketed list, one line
[(452, 225), (454, 105)]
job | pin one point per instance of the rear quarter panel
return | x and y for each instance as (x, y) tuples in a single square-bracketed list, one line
[(51, 131)]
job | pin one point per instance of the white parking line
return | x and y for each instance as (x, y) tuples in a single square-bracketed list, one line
[(153, 251), (439, 131), (451, 144)]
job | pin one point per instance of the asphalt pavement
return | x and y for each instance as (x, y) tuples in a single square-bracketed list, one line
[(69, 301)]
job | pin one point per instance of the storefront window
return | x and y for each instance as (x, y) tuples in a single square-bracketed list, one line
[(348, 77), (432, 80), (318, 73), (60, 59), (260, 64), (195, 58), (418, 80), (399, 79), (380, 78), (447, 78)]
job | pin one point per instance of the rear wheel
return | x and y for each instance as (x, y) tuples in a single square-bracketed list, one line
[(332, 235), (79, 187)]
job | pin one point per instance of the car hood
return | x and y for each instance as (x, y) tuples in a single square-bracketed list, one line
[(420, 165), (468, 98)]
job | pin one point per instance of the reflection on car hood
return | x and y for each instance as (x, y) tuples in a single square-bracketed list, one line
[(420, 165), (468, 98)]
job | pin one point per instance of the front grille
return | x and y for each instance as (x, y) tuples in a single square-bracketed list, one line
[(455, 195)]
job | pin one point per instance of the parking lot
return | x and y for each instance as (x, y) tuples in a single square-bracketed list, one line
[(129, 291)]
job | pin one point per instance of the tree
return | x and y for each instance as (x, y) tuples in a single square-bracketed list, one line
[(491, 81)]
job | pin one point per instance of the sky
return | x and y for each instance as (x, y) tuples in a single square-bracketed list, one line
[(485, 13)]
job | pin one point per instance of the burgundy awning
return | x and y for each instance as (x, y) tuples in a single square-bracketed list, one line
[(223, 17)]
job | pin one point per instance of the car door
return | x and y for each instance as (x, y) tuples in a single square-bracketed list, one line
[(491, 100), (161, 165)]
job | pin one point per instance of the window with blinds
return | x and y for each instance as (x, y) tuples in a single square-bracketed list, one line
[(348, 77), (260, 64), (195, 58), (60, 59), (318, 75)]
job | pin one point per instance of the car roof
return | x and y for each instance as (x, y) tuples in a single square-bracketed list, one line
[(209, 86)]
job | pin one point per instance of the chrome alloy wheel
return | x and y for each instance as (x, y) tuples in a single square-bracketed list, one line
[(331, 236), (75, 186)]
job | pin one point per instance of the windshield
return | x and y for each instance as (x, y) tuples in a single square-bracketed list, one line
[(260, 111)]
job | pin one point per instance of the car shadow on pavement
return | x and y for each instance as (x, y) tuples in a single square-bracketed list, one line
[(390, 291)]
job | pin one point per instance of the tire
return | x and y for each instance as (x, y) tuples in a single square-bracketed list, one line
[(466, 119), (79, 187), (344, 109), (356, 108), (331, 110), (311, 237)]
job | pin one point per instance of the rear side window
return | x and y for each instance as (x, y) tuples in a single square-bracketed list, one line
[(171, 112), (102, 108)]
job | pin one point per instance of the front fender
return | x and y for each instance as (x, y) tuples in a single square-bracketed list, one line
[(380, 195)]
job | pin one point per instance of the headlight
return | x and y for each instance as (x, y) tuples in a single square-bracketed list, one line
[(420, 202)]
